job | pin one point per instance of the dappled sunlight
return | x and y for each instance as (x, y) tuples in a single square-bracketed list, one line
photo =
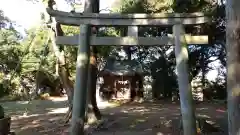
[(154, 117), (56, 99), (203, 116), (104, 104), (24, 116), (32, 108), (135, 109), (40, 116), (159, 133), (161, 117), (202, 108), (26, 109), (32, 125), (210, 122), (58, 110), (221, 110), (157, 118), (36, 124), (23, 102)]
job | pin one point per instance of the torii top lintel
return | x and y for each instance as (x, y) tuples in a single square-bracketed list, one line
[(114, 19)]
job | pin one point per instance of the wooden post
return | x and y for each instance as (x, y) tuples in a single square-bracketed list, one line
[(132, 32), (233, 65), (82, 67), (181, 53)]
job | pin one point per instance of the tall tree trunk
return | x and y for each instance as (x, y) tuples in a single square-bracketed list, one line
[(62, 67), (59, 53), (233, 65), (63, 72), (93, 112)]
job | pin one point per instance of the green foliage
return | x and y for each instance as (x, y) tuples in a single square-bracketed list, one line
[(200, 58), (9, 54), (146, 6), (104, 51), (71, 51), (36, 44)]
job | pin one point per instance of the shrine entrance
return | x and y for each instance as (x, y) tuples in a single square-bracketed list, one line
[(85, 39), (122, 80)]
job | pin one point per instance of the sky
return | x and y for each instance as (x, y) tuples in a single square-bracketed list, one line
[(22, 12), (27, 14)]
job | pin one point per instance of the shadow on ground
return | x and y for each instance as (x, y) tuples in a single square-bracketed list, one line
[(35, 117), (157, 118)]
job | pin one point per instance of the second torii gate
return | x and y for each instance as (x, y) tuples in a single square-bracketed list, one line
[(83, 41)]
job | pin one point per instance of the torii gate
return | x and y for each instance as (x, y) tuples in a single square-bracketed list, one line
[(83, 41)]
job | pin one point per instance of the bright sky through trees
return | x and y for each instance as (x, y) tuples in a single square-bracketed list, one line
[(27, 14)]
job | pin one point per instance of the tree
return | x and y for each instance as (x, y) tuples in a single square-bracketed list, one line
[(10, 53), (93, 111), (233, 65)]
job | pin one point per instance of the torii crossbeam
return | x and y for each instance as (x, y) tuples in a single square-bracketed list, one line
[(77, 19)]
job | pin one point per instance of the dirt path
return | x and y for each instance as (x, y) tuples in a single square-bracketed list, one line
[(45, 118), (157, 119)]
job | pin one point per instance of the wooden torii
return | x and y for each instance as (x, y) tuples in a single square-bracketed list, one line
[(84, 40)]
